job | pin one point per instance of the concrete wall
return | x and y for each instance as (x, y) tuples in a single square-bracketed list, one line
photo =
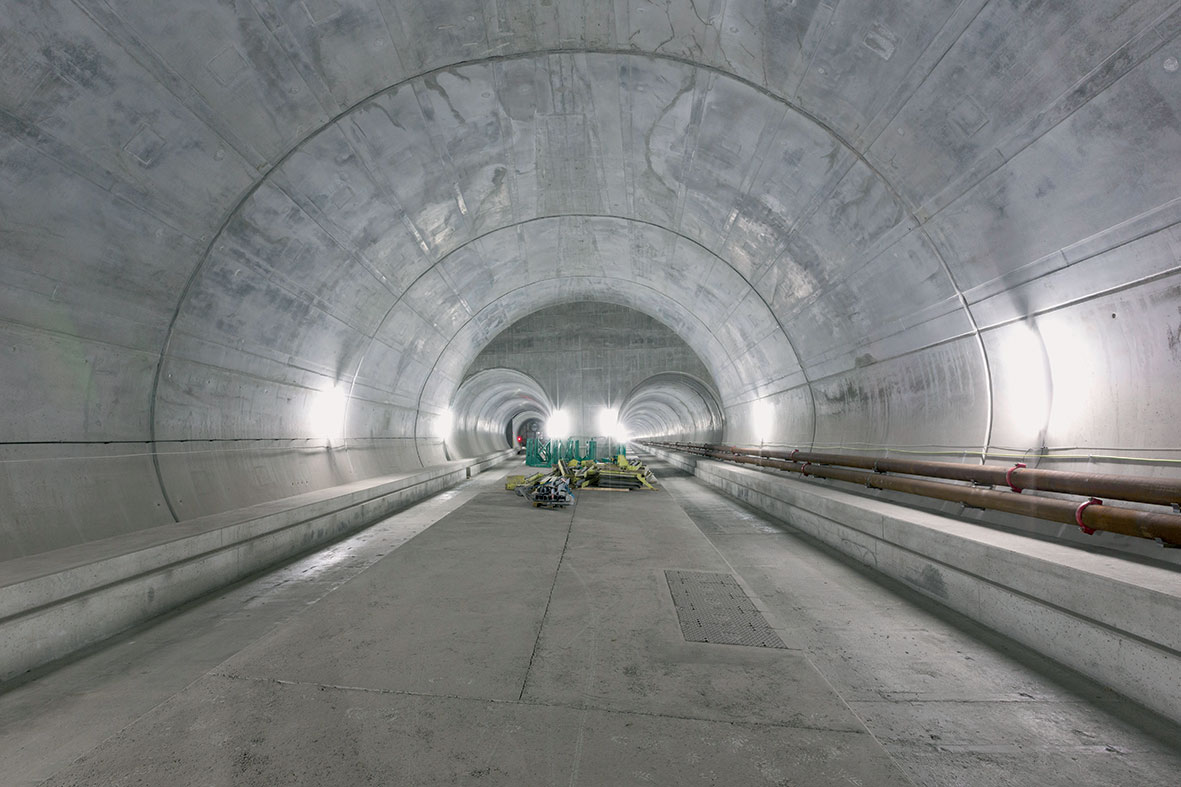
[(488, 402), (940, 227), (588, 356)]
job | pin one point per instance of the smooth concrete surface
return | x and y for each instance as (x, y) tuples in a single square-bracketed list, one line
[(939, 226), (1115, 619), (589, 356), (952, 701), (449, 660), (475, 640), (83, 701), (60, 601), (583, 358), (250, 250)]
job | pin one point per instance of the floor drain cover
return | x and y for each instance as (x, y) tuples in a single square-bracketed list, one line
[(713, 608)]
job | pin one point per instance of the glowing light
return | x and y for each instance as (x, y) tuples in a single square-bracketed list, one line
[(762, 420), (1024, 375), (558, 425), (1073, 373), (445, 425), (328, 411), (610, 426)]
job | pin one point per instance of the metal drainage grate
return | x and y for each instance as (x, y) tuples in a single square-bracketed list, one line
[(713, 608)]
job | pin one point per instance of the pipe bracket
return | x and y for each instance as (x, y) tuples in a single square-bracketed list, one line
[(1009, 477), (1078, 514)]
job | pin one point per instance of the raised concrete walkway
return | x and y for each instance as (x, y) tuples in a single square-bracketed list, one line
[(55, 603), (1115, 618), (474, 639)]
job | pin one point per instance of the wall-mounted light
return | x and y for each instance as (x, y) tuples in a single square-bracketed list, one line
[(762, 420), (327, 413), (1023, 370), (608, 421), (557, 426), (1073, 373), (444, 425)]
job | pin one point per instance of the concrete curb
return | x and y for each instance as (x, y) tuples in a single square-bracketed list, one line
[(56, 603), (1115, 620)]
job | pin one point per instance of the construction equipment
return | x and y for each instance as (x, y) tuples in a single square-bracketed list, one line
[(513, 481), (630, 477), (555, 489), (537, 452), (545, 453), (553, 492)]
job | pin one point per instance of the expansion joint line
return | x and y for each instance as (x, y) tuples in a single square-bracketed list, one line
[(549, 600)]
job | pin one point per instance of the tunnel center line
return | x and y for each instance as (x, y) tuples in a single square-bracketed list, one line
[(549, 600)]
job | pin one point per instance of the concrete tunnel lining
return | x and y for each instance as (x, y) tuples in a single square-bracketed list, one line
[(984, 249), (488, 400), (674, 405), (424, 274), (590, 357), (251, 251), (548, 292), (756, 320)]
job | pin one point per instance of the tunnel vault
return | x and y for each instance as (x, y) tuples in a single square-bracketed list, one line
[(587, 358), (725, 265), (865, 250)]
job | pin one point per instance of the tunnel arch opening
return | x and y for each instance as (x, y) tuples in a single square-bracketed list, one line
[(588, 357), (675, 406), (491, 405)]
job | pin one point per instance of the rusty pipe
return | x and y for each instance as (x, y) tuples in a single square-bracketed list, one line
[(1136, 489), (1089, 515)]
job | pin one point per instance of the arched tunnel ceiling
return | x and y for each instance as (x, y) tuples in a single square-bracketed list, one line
[(480, 230), (590, 358), (843, 207), (669, 184), (673, 404), (489, 400)]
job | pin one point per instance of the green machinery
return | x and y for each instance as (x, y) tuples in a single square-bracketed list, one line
[(547, 453)]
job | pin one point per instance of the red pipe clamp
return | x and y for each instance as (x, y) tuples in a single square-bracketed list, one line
[(1078, 514), (1009, 477)]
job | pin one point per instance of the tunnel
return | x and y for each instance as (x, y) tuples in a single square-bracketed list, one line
[(276, 274)]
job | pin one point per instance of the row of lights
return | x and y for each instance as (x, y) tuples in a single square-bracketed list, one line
[(1028, 358), (328, 415), (558, 426), (329, 406)]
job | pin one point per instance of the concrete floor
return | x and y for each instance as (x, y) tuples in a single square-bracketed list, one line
[(474, 639)]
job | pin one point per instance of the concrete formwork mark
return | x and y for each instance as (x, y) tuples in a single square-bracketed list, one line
[(342, 115)]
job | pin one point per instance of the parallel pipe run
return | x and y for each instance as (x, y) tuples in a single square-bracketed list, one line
[(1018, 477), (1091, 515)]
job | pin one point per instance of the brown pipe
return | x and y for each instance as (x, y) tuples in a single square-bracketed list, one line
[(1133, 488), (1127, 521)]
